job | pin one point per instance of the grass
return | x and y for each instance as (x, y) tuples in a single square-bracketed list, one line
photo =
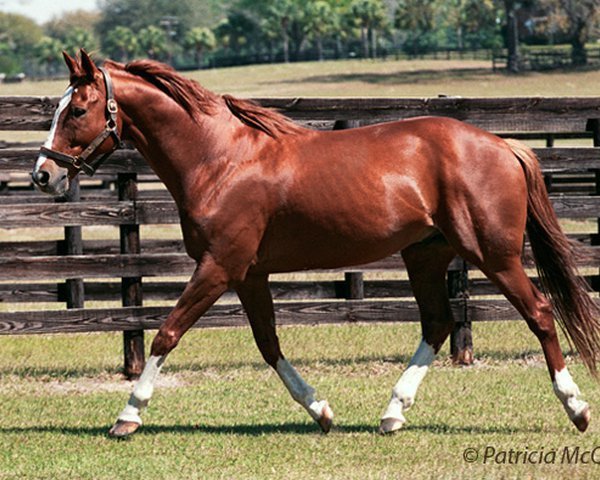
[(389, 78), (221, 413)]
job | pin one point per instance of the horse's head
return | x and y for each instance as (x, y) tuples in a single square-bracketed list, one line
[(85, 128)]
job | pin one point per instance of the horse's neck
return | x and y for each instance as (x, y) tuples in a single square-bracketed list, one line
[(183, 152)]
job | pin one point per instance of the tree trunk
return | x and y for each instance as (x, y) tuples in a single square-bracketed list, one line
[(200, 58), (320, 47), (286, 40), (578, 52), (365, 41), (512, 38), (338, 47), (373, 43)]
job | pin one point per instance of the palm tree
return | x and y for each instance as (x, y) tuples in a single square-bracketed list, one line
[(322, 20), (282, 12), (47, 53), (371, 15), (153, 41), (416, 18), (581, 15), (78, 38), (120, 43), (200, 40)]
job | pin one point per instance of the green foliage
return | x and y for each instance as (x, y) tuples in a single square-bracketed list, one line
[(153, 42), (18, 36), (200, 40), (120, 43), (290, 30)]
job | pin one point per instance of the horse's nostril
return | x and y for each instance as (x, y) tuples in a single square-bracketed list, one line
[(41, 177)]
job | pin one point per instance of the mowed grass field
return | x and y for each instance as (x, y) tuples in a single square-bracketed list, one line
[(220, 412), (379, 78)]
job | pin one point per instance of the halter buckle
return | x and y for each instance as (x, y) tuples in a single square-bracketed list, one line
[(111, 106)]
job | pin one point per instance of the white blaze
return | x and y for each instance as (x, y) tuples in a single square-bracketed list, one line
[(62, 105)]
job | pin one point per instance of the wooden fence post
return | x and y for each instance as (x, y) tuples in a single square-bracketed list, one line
[(131, 288), (355, 286), (594, 126), (73, 245), (461, 338)]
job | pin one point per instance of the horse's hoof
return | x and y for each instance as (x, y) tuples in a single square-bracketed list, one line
[(123, 429), (582, 421), (390, 425), (326, 419)]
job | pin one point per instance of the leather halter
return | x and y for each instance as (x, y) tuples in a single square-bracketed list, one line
[(82, 161)]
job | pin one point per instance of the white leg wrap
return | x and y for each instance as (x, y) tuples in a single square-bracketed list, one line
[(301, 391), (142, 392), (568, 391), (403, 393)]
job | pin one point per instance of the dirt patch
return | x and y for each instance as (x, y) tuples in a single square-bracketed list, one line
[(105, 383)]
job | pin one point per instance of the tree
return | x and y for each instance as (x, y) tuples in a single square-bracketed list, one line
[(18, 37), (78, 38), (581, 15), (153, 41), (513, 63), (60, 27), (138, 14), (322, 20), (417, 19), (285, 20), (371, 16), (283, 12), (48, 54), (469, 23), (120, 43), (200, 40), (238, 31)]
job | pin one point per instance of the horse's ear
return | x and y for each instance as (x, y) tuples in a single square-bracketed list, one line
[(89, 67), (72, 65)]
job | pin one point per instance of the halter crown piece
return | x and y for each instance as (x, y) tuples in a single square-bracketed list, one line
[(81, 162)]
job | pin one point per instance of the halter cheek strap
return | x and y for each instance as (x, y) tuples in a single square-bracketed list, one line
[(82, 161)]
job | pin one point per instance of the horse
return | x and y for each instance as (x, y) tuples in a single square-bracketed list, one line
[(258, 194)]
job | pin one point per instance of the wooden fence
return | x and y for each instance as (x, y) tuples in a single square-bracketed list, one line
[(108, 242)]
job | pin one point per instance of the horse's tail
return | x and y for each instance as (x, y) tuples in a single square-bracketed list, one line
[(576, 312)]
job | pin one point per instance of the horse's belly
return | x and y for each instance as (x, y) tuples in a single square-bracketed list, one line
[(294, 244)]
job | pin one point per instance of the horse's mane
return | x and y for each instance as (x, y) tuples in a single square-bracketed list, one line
[(198, 101), (264, 119)]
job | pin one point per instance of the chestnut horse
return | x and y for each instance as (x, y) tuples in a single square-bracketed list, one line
[(258, 194)]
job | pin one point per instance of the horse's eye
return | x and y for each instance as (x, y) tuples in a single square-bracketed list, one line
[(78, 112)]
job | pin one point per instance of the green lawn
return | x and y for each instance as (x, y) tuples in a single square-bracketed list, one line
[(219, 412), (371, 78)]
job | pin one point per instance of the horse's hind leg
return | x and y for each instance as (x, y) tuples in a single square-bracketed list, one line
[(256, 298), (537, 312), (426, 263)]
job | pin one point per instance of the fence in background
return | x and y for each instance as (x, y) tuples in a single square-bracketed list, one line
[(140, 272)]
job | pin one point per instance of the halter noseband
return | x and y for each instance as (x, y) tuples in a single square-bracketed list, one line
[(80, 162)]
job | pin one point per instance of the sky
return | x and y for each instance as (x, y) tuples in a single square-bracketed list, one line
[(43, 10)]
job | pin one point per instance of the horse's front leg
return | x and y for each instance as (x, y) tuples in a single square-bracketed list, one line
[(256, 298), (207, 284)]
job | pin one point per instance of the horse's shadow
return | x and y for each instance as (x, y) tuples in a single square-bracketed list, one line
[(255, 430)]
